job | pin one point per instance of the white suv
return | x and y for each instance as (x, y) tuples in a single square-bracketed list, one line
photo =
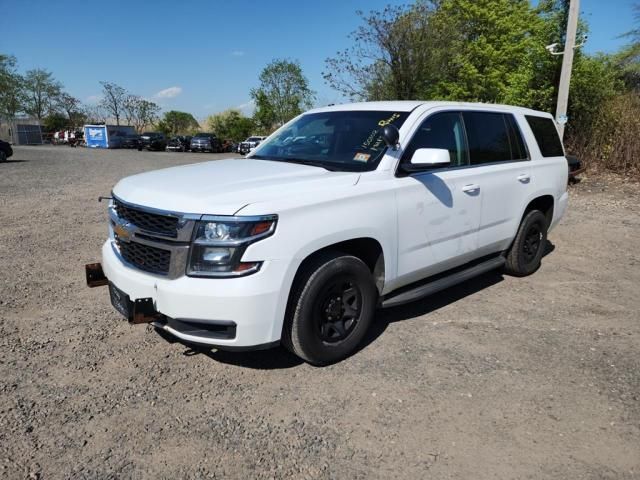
[(342, 210)]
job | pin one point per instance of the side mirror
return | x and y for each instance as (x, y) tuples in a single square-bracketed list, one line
[(390, 135), (436, 157)]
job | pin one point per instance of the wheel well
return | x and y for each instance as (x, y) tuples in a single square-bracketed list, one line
[(366, 249), (544, 204)]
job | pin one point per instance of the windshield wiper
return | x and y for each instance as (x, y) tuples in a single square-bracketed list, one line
[(301, 161)]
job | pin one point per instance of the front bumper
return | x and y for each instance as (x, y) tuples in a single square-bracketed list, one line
[(252, 303)]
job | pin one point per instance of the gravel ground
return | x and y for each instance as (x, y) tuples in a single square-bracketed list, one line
[(498, 378)]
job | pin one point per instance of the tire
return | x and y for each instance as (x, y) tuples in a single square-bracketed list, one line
[(3, 157), (525, 254), (331, 307)]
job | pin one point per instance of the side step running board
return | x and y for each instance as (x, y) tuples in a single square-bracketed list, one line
[(442, 283)]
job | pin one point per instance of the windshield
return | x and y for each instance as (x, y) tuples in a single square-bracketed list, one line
[(342, 140)]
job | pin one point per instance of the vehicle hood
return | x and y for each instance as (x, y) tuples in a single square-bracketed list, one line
[(200, 140), (223, 187)]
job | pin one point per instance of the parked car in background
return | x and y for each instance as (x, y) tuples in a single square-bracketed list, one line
[(152, 141), (575, 168), (5, 151), (343, 210), (249, 144), (131, 141), (205, 142), (180, 143)]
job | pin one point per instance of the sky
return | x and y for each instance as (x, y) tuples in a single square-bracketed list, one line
[(204, 56)]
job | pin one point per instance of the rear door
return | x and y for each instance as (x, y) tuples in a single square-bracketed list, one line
[(500, 160)]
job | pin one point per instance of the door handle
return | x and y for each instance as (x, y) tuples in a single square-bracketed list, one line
[(524, 178), (471, 188)]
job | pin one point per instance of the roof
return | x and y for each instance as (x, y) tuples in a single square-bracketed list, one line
[(410, 105)]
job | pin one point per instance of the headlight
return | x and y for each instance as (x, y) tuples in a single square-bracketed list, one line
[(219, 243)]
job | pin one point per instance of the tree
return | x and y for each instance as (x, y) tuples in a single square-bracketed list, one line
[(12, 96), (629, 57), (283, 93), (231, 125), (178, 123), (41, 92), (139, 112), (72, 107), (95, 114), (396, 51), (55, 121), (491, 39), (113, 97)]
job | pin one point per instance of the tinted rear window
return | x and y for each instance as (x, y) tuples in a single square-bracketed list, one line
[(544, 129), (488, 137), (518, 149)]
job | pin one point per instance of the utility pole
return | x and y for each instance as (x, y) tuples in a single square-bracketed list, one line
[(567, 63)]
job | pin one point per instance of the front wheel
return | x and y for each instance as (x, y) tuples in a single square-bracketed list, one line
[(525, 254), (332, 305)]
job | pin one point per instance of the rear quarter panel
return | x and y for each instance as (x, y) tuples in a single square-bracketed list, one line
[(549, 175)]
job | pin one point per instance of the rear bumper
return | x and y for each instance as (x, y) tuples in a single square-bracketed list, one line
[(197, 309)]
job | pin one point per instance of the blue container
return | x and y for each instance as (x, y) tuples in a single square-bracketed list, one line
[(95, 136)]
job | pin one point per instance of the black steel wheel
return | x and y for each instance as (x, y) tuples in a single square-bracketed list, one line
[(338, 309), (331, 306), (532, 242), (525, 254)]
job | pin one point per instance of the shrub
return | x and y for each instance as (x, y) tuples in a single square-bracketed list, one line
[(613, 141)]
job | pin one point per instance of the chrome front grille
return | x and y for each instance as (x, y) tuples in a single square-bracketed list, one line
[(145, 257), (151, 240), (165, 225)]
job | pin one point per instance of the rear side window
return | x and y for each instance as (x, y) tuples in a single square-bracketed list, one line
[(518, 149), (546, 135), (488, 137)]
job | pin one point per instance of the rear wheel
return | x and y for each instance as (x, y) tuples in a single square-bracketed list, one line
[(331, 307), (525, 254)]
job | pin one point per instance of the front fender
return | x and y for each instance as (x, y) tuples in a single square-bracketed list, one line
[(307, 225)]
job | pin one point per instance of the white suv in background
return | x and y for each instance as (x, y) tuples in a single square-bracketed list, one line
[(249, 144), (342, 210)]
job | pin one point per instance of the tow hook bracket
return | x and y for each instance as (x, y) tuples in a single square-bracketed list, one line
[(144, 311), (95, 275)]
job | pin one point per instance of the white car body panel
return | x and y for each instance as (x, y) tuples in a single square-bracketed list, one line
[(425, 223), (223, 187)]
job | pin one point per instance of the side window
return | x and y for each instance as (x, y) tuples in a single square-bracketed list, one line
[(488, 137), (441, 130), (518, 149), (546, 135)]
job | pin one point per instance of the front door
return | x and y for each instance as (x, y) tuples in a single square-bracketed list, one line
[(438, 209)]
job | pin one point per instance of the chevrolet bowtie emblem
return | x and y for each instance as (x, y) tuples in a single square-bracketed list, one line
[(122, 232)]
